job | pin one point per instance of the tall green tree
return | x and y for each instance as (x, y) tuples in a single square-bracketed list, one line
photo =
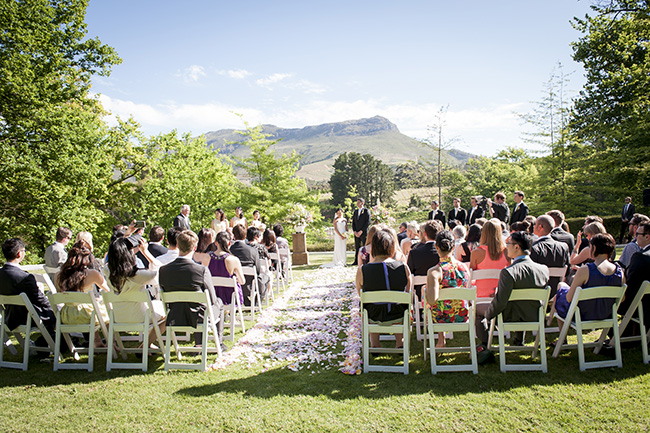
[(368, 176)]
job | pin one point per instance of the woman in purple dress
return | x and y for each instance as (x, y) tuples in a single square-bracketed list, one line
[(224, 264)]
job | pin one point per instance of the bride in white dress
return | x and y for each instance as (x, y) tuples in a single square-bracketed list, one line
[(340, 238)]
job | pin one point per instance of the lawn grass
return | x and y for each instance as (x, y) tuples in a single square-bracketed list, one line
[(255, 399)]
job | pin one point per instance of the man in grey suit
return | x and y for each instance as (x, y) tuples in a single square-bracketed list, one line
[(547, 251), (523, 273), (55, 254), (182, 220), (182, 275)]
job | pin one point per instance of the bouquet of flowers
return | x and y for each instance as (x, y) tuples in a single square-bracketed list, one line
[(380, 215), (299, 215)]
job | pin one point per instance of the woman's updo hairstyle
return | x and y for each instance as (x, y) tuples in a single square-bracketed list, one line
[(223, 239), (445, 241)]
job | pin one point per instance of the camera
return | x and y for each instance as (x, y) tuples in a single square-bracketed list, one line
[(482, 201), (132, 241), (139, 224)]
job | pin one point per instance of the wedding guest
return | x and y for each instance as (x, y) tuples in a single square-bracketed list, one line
[(256, 222), (224, 264), (459, 234), (364, 255), (383, 273), (401, 234), (156, 235), (86, 237), (581, 255), (464, 251), (205, 245), (238, 218), (449, 272), (558, 233), (249, 256), (172, 252), (219, 223), (633, 246), (268, 240), (55, 254), (411, 239)]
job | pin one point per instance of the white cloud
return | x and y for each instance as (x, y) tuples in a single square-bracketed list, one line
[(272, 79), (193, 73), (238, 74)]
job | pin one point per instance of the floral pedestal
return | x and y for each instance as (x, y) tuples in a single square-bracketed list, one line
[(300, 228), (300, 256)]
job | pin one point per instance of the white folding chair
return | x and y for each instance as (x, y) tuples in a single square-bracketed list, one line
[(553, 272), (603, 292), (114, 328), (235, 307), (279, 279), (416, 306), (42, 278), (62, 329), (399, 326), (532, 294), (208, 326), (485, 274), (254, 297), (51, 271), (27, 330), (644, 336), (285, 255), (433, 328)]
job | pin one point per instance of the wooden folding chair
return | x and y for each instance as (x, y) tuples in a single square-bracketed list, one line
[(433, 328), (399, 326), (62, 329), (208, 325), (22, 333), (285, 255), (235, 307), (114, 328), (604, 292), (254, 297), (416, 306), (279, 279), (532, 294)]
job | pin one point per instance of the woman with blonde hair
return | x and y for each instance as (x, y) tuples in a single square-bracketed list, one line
[(579, 257)]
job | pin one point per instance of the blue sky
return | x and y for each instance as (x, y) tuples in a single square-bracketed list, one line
[(190, 65)]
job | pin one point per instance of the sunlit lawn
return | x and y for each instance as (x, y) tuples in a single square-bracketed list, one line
[(238, 399)]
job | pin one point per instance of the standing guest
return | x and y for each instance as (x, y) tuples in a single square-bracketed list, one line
[(547, 251), (172, 252), (626, 216), (224, 264), (521, 210), (14, 281), (155, 241), (219, 223), (437, 214), (238, 218), (256, 222), (475, 212), (463, 252), (449, 272), (401, 234), (384, 273), (558, 233), (457, 213), (249, 256), (55, 254), (499, 208), (183, 275), (632, 247), (182, 220), (424, 255), (638, 272), (360, 223), (523, 273)]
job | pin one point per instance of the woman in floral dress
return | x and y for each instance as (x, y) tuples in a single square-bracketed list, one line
[(448, 273)]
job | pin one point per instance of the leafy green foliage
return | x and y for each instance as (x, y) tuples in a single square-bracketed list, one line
[(370, 178)]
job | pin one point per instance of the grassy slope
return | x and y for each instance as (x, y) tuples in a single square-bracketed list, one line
[(251, 400)]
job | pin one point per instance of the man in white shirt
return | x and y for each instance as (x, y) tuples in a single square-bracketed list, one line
[(172, 252), (475, 212)]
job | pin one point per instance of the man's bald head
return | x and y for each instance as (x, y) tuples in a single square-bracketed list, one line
[(545, 224)]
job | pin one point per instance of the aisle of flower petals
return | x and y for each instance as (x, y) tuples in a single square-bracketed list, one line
[(308, 327)]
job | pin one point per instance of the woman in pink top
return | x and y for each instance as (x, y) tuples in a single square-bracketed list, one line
[(490, 254)]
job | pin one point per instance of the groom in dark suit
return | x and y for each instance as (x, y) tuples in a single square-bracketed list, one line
[(360, 223), (437, 214)]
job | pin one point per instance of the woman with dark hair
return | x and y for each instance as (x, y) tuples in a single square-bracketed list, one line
[(256, 222), (77, 275), (124, 276), (224, 264), (601, 272), (205, 245), (238, 218), (464, 252), (383, 273), (219, 223), (268, 240), (448, 273)]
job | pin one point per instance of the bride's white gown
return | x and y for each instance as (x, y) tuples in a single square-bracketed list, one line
[(340, 256)]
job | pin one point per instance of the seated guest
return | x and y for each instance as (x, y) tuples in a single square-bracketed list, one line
[(481, 221), (14, 281), (547, 251), (637, 272), (499, 208), (156, 235), (447, 273), (424, 256), (459, 234), (268, 240), (558, 233), (249, 256), (581, 255), (531, 224), (77, 275), (383, 273), (55, 254), (224, 264), (601, 272), (184, 275), (520, 226), (364, 255), (282, 244), (172, 252), (219, 223), (401, 233), (633, 246), (523, 273), (86, 237), (254, 239), (464, 251), (411, 238), (205, 245)]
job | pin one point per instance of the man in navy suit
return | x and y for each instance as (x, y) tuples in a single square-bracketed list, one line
[(437, 214), (249, 256), (547, 251), (521, 210), (557, 233), (424, 255), (626, 216), (475, 212), (638, 272), (457, 213), (360, 223)]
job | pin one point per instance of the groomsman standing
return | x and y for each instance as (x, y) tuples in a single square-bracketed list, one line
[(360, 222), (457, 213), (436, 214), (626, 216), (521, 210), (475, 212)]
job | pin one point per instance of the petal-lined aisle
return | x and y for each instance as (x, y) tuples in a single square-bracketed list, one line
[(304, 328)]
